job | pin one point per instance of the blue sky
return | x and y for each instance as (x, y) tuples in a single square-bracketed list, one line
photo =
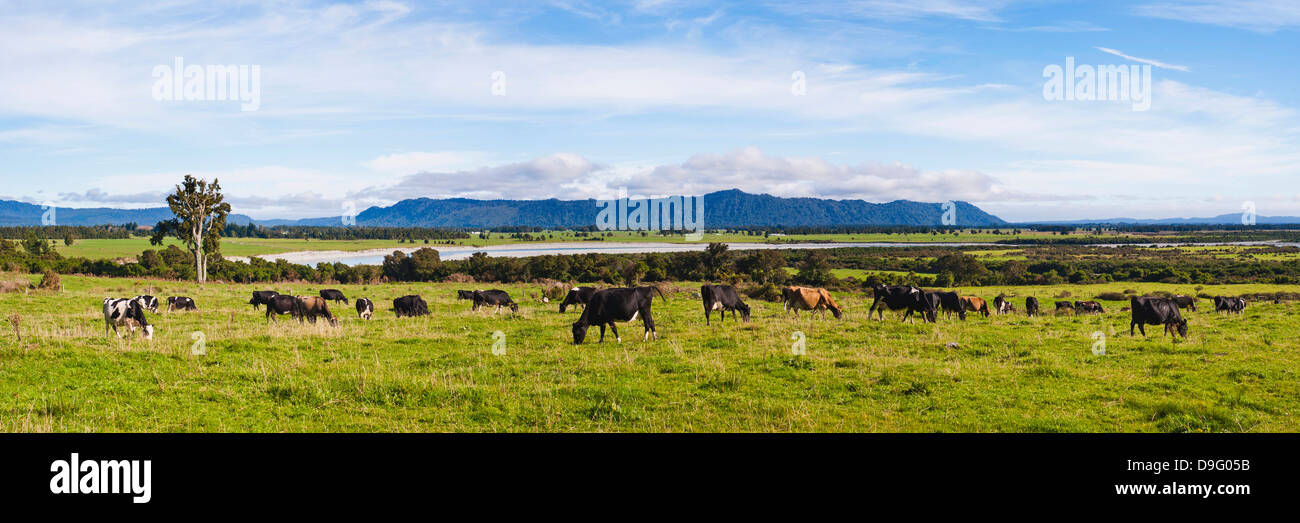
[(372, 102)]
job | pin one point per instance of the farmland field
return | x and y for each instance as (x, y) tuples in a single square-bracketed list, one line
[(440, 373), (131, 247)]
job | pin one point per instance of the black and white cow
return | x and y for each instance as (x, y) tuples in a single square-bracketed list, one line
[(494, 298), (410, 306), (722, 298), (577, 296), (611, 305), (365, 308), (149, 303), (1157, 311), (262, 298), (1003, 306), (1065, 305), (281, 304), (334, 295), (902, 297), (1089, 307), (181, 303), (121, 312)]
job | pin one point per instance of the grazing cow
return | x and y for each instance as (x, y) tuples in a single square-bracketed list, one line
[(262, 298), (1031, 306), (577, 296), (126, 313), (465, 295), (181, 303), (1186, 302), (1003, 305), (365, 308), (281, 304), (974, 304), (334, 295), (149, 303), (950, 302), (1088, 306), (494, 297), (903, 297), (1157, 311), (1065, 305), (810, 299), (312, 306), (1230, 305), (722, 298), (410, 306), (622, 304)]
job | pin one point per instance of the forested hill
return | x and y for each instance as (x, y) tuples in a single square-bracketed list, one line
[(731, 208), (14, 213)]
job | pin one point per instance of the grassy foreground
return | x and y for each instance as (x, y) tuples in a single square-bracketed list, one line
[(1010, 373)]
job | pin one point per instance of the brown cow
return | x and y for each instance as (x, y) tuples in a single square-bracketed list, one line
[(974, 304), (809, 299), (312, 306)]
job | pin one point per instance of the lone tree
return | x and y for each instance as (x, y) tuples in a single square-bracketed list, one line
[(201, 213)]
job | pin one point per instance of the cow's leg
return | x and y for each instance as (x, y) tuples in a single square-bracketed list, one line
[(706, 314), (649, 324), (1130, 327), (614, 329), (602, 333)]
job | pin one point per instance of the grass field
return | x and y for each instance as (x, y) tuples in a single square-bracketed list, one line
[(130, 248), (1008, 373)]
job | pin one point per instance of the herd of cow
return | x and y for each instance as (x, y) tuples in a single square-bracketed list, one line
[(605, 307)]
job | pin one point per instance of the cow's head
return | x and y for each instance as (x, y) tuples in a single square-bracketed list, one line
[(148, 332), (579, 332), (1182, 328), (744, 311), (514, 307)]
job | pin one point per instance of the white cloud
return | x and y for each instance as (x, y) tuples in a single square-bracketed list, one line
[(1265, 16), (1155, 63)]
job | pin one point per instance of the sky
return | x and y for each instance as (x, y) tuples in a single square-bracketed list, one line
[(367, 103)]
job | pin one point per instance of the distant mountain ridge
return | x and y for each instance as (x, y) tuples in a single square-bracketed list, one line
[(1222, 219), (14, 214), (730, 208)]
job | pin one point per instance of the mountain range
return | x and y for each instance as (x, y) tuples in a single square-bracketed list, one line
[(730, 208)]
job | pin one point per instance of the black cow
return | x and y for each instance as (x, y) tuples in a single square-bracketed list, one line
[(1157, 311), (262, 298), (577, 296), (722, 298), (410, 306), (1230, 305), (1031, 306), (465, 295), (281, 304), (494, 297), (365, 308), (334, 295), (1186, 302), (950, 302), (899, 297), (1088, 306), (1060, 305), (181, 303), (623, 304)]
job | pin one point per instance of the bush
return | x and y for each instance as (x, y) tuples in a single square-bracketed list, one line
[(1111, 296), (769, 292), (459, 277), (50, 281)]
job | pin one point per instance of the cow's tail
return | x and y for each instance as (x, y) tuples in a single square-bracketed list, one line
[(661, 294)]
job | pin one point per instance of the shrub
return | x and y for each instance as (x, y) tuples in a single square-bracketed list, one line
[(50, 280)]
